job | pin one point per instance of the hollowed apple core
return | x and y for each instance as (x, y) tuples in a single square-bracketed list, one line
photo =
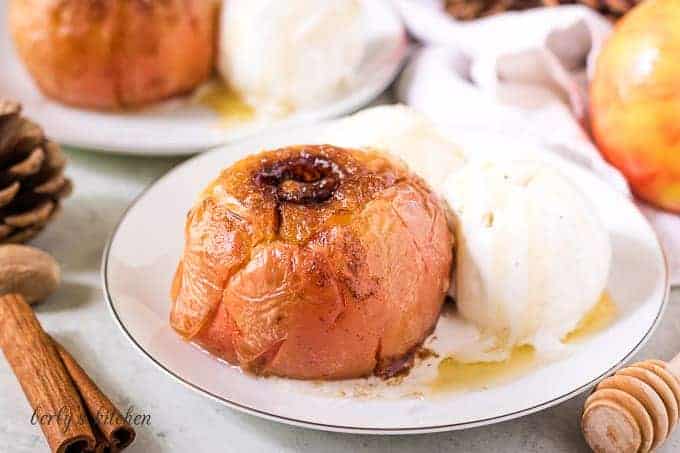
[(304, 179)]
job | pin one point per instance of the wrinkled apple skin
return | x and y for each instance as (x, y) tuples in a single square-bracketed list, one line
[(334, 289), (635, 101), (111, 54)]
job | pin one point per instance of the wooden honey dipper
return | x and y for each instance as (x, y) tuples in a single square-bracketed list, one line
[(635, 410)]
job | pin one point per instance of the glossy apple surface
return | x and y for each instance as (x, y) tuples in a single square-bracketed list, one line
[(635, 101)]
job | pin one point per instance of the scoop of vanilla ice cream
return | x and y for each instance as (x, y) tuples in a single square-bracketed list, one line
[(284, 55), (406, 134), (532, 256)]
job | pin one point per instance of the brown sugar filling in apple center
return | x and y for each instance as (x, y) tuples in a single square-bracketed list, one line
[(305, 179)]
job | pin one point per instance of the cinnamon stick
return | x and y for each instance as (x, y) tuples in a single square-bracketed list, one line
[(43, 378), (102, 445), (105, 416)]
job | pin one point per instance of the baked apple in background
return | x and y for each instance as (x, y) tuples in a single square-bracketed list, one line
[(115, 53), (313, 262), (635, 101)]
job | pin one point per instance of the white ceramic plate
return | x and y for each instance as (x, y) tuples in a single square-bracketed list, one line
[(179, 127), (141, 257)]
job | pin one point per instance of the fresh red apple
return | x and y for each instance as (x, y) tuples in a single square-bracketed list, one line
[(635, 101)]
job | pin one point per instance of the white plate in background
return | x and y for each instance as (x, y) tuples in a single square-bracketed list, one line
[(177, 126), (140, 260)]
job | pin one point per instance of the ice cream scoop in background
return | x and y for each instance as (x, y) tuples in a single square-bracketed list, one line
[(281, 56), (532, 256)]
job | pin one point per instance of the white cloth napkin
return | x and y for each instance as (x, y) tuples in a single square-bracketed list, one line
[(520, 74)]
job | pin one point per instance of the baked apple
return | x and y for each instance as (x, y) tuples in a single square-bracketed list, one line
[(109, 54), (313, 262)]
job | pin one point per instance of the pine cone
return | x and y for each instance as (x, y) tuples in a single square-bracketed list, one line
[(474, 9), (31, 176)]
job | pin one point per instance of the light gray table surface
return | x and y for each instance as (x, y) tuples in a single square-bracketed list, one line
[(182, 421)]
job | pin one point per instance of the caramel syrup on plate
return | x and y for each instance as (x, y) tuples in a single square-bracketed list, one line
[(454, 375), (597, 319), (224, 101)]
